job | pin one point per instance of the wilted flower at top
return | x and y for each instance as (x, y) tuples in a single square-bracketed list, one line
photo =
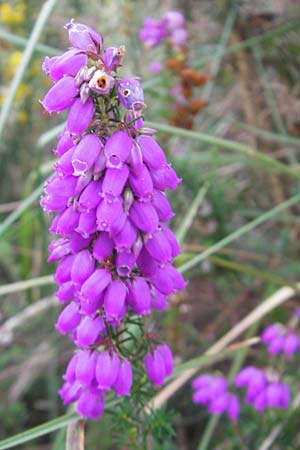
[(114, 250)]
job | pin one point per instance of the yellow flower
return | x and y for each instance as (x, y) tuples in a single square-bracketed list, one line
[(22, 116), (24, 90), (12, 15)]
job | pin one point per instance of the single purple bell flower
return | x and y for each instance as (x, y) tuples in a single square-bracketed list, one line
[(86, 153), (125, 262), (117, 149), (103, 246), (291, 343), (271, 332), (63, 270), (139, 297), (126, 237), (142, 184), (158, 247), (80, 116), (86, 366), (155, 367), (108, 212), (153, 154), (66, 292), (50, 203), (114, 181), (89, 330), (130, 93), (83, 267), (65, 142), (87, 224), (175, 249), (70, 392), (162, 206), (68, 63), (84, 37), (147, 265), (123, 382), (101, 82), (78, 242), (162, 281), (276, 345), (68, 319), (95, 284), (114, 301), (70, 374), (113, 57), (90, 197), (61, 96), (144, 216), (165, 177), (135, 159), (58, 186), (91, 403), (64, 166), (158, 300), (61, 249), (165, 350), (107, 368)]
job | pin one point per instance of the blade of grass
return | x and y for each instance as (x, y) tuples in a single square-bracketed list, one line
[(239, 232), (9, 220), (40, 430), (270, 100), (191, 213), (226, 144), (219, 53), (27, 284), (22, 42), (26, 56)]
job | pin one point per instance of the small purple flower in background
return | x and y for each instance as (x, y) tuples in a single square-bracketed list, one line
[(171, 26), (115, 251), (212, 392), (280, 338), (263, 388)]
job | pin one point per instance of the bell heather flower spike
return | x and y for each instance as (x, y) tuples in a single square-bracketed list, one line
[(212, 392), (114, 249)]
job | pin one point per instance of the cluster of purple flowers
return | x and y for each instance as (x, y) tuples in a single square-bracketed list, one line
[(264, 389), (280, 338), (171, 26), (212, 392), (115, 250)]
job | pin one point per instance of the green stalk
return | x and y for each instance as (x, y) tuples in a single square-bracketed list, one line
[(25, 60), (191, 213)]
